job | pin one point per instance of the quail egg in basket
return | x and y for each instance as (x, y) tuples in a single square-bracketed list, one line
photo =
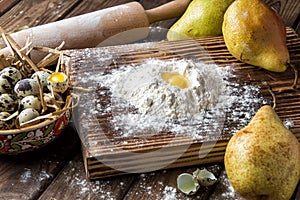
[(35, 101)]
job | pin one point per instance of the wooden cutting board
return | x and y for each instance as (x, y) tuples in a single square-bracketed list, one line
[(105, 152)]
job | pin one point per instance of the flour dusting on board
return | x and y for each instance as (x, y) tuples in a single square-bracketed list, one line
[(142, 101), (135, 100)]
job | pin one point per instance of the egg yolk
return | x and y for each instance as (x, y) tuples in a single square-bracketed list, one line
[(56, 77), (175, 79)]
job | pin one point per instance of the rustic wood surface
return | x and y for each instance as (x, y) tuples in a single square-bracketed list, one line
[(57, 171), (97, 145)]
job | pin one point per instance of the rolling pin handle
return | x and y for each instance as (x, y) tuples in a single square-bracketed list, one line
[(167, 11)]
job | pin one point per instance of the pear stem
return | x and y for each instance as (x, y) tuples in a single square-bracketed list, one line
[(294, 86), (273, 97)]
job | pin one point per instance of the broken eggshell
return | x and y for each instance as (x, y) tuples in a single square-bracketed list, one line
[(187, 184), (205, 177), (58, 82)]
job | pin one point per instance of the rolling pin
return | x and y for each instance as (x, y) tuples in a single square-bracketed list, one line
[(89, 30)]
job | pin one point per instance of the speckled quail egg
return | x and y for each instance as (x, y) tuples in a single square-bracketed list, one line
[(26, 87), (43, 76), (13, 75), (27, 115), (4, 85), (58, 81), (5, 125), (31, 101), (7, 103)]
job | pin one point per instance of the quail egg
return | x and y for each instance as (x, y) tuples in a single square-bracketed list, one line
[(58, 81), (27, 115), (5, 125), (43, 76), (7, 103), (31, 101), (5, 86), (26, 87), (12, 75)]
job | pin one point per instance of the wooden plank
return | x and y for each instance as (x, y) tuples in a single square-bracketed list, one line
[(163, 185), (25, 176), (297, 29), (224, 190), (32, 13), (98, 148), (289, 10), (6, 5), (72, 184)]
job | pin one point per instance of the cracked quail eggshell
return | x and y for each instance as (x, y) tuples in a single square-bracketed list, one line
[(187, 184), (205, 177), (58, 81)]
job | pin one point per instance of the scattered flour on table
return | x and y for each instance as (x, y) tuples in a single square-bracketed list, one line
[(88, 190), (224, 189), (288, 123), (141, 100), (169, 193), (26, 176)]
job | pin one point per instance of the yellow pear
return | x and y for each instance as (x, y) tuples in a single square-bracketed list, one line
[(255, 34), (262, 160), (201, 18)]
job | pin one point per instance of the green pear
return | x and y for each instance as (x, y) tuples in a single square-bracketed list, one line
[(255, 34), (262, 160), (201, 18)]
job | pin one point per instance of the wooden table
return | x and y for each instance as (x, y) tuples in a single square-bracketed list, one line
[(56, 171)]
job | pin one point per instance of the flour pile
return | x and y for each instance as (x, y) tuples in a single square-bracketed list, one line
[(137, 101), (144, 88), (160, 106)]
